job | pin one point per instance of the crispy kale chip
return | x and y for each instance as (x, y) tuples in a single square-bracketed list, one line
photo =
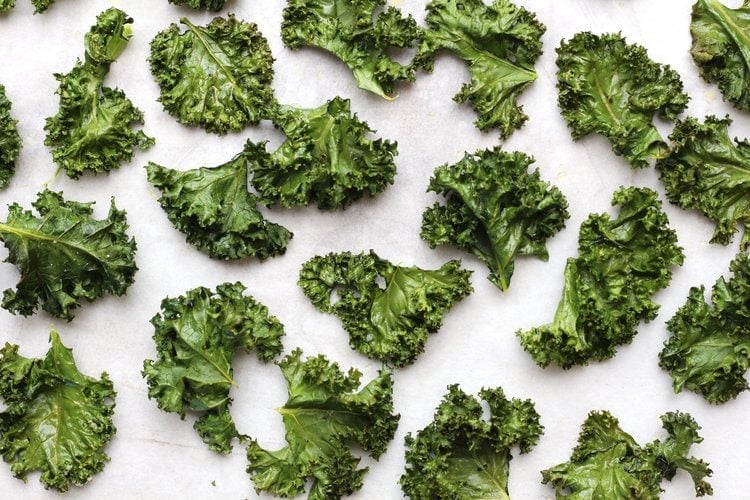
[(500, 43), (196, 336), (323, 417), (390, 322), (214, 5), (612, 88), (704, 170), (65, 255), (10, 141), (608, 463), (721, 48), (92, 131), (709, 349), (621, 262), (216, 76), (39, 5), (461, 454), (213, 207), (57, 420), (326, 160), (351, 31), (495, 210)]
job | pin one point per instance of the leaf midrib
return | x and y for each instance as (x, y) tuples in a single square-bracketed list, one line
[(197, 32), (722, 14), (37, 235)]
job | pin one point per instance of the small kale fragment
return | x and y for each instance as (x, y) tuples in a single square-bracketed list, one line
[(214, 209), (461, 454), (389, 323), (721, 48), (57, 420), (608, 463), (704, 170), (499, 42), (327, 159), (621, 262), (10, 141), (216, 76), (214, 5), (708, 351), (92, 131), (39, 5), (196, 335), (495, 210), (323, 417), (352, 31), (65, 255), (610, 87)]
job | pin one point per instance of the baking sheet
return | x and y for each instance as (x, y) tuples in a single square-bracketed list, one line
[(156, 455)]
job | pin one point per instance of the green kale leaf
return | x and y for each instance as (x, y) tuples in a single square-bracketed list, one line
[(610, 87), (214, 5), (92, 130), (65, 255), (461, 454), (41, 5), (704, 170), (500, 43), (323, 417), (326, 160), (709, 349), (216, 76), (351, 31), (621, 262), (196, 336), (608, 463), (721, 48), (389, 323), (495, 210), (214, 209), (56, 420), (10, 141)]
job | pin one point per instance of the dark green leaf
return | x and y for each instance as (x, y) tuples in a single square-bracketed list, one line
[(352, 31), (389, 323), (721, 48), (608, 463), (92, 130), (709, 349), (461, 454), (56, 420), (323, 417), (213, 207), (65, 255), (41, 5), (495, 210), (196, 336), (327, 159), (621, 263), (706, 171), (213, 5), (500, 43), (10, 141), (612, 88), (216, 76)]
